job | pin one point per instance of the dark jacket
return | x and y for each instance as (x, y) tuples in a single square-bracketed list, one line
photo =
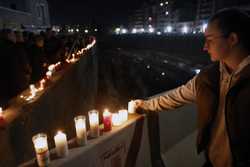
[(237, 112)]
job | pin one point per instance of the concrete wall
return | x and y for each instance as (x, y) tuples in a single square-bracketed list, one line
[(71, 95), (178, 138)]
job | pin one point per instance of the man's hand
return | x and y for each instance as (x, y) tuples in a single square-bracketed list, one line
[(138, 103)]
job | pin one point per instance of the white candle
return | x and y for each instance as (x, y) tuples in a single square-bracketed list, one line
[(123, 115), (42, 84), (131, 107), (1, 112), (32, 90), (49, 74), (94, 123), (81, 133), (41, 148), (61, 144), (51, 67), (116, 119)]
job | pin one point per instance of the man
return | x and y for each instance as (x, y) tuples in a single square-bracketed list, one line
[(221, 92)]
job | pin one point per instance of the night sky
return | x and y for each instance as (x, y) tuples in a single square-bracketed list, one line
[(103, 12)]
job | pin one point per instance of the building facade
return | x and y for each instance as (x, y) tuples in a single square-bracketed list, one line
[(24, 13), (156, 16)]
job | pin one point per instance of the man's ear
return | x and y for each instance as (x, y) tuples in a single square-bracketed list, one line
[(233, 39)]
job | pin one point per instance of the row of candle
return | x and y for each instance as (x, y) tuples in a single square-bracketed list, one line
[(109, 119), (52, 69)]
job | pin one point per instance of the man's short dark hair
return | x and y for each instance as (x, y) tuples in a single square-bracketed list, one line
[(234, 20)]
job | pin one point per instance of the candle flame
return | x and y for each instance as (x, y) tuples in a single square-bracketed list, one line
[(106, 113)]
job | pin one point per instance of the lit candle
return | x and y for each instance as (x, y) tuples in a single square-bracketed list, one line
[(123, 115), (2, 121), (48, 74), (61, 144), (42, 84), (94, 123), (107, 120), (131, 107), (32, 90), (51, 67), (116, 119), (41, 148), (1, 112), (81, 133), (58, 66)]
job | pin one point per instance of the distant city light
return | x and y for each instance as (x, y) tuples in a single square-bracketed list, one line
[(150, 18), (151, 30), (86, 31), (158, 33), (134, 31), (204, 27), (161, 4), (148, 66), (197, 71), (71, 30), (185, 29), (142, 30), (124, 31), (166, 12), (163, 73), (166, 2), (169, 29), (96, 30), (77, 30), (117, 30), (149, 25)]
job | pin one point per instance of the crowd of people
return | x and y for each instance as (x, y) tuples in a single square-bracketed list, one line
[(25, 57)]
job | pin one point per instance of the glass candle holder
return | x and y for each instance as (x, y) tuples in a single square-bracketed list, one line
[(131, 107), (81, 131), (107, 120), (123, 115), (41, 148), (94, 123)]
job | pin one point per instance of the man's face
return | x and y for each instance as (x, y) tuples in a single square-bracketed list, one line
[(215, 43)]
